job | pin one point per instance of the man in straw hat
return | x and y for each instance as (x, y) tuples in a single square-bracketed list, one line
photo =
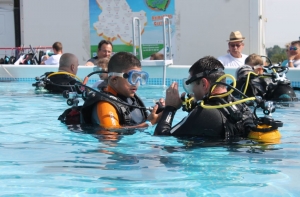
[(234, 57)]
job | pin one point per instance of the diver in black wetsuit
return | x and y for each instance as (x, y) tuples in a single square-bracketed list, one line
[(57, 82), (228, 122)]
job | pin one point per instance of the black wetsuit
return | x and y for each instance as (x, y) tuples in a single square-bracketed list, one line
[(210, 123)]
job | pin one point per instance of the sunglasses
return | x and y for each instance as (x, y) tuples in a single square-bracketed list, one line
[(293, 48), (235, 45)]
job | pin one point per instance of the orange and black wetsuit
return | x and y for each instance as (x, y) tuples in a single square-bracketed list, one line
[(109, 113)]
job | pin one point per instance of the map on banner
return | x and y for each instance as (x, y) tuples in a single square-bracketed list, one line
[(113, 20)]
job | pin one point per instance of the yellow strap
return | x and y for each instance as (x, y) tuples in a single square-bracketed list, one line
[(225, 105), (65, 73), (248, 79), (230, 91), (224, 95)]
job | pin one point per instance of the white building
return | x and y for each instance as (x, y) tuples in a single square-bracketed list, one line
[(202, 27)]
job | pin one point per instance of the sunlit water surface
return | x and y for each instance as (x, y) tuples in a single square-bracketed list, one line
[(40, 156)]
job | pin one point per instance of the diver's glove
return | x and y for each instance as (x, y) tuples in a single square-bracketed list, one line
[(189, 103), (160, 107)]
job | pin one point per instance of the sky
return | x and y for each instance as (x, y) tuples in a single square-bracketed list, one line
[(283, 21)]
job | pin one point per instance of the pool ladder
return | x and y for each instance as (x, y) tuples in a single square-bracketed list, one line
[(166, 41)]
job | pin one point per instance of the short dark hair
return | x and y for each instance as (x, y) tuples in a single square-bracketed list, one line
[(57, 46), (104, 42), (208, 63), (122, 61), (296, 42)]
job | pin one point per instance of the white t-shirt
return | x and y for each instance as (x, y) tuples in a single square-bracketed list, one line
[(296, 63), (53, 60), (229, 61)]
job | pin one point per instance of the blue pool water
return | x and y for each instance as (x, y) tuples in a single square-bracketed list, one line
[(42, 157)]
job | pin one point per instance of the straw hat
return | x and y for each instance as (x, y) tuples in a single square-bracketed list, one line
[(236, 36)]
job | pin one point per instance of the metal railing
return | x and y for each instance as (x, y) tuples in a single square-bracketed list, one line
[(134, 21), (166, 41)]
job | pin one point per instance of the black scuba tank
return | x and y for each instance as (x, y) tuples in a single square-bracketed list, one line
[(282, 93)]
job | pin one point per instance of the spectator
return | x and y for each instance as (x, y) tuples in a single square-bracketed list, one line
[(101, 66), (294, 54), (157, 56), (104, 50), (234, 57), (53, 59)]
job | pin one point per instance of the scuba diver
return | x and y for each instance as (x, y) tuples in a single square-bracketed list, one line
[(64, 79), (117, 106), (253, 79), (217, 114)]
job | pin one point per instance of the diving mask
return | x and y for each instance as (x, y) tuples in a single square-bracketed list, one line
[(187, 88), (134, 77), (187, 82)]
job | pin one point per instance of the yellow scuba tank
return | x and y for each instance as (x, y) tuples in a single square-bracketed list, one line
[(272, 136), (266, 129)]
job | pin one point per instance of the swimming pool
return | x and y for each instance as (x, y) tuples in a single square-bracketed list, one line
[(42, 157)]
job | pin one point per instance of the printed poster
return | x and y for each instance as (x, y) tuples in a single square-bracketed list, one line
[(112, 20)]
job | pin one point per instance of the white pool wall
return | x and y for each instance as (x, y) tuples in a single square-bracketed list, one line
[(173, 73)]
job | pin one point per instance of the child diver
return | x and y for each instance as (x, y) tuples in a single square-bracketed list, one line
[(254, 80), (118, 106)]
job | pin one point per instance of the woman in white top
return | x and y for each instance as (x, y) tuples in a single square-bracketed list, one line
[(294, 54)]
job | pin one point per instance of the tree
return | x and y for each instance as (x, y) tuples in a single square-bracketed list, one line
[(276, 54)]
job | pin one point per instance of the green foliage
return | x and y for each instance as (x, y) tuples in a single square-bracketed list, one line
[(276, 54), (276, 58)]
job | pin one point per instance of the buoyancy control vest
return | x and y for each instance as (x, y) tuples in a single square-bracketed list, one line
[(267, 89), (56, 80), (257, 86), (124, 111), (237, 119)]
